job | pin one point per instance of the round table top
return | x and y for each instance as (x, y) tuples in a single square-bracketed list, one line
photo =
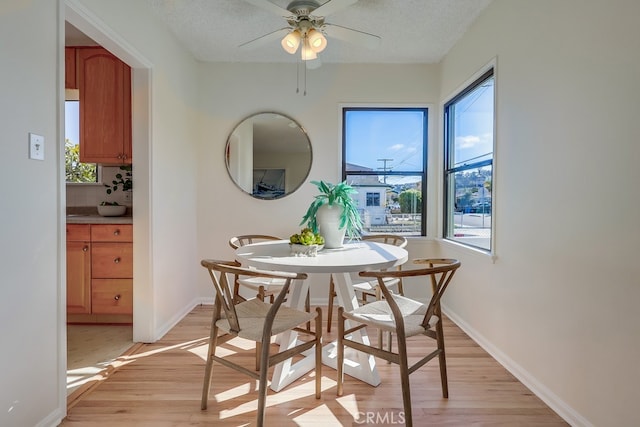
[(352, 257)]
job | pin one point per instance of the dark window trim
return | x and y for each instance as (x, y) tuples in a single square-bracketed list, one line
[(450, 171), (423, 174)]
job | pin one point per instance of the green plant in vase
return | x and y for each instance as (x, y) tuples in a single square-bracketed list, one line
[(121, 182), (333, 213)]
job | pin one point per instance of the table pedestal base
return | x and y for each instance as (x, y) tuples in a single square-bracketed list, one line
[(356, 364)]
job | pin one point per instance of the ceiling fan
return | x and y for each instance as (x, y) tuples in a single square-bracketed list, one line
[(307, 28)]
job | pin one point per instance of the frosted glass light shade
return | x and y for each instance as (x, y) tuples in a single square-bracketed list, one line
[(291, 41), (317, 41)]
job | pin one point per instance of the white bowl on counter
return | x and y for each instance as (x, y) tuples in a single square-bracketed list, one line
[(110, 210)]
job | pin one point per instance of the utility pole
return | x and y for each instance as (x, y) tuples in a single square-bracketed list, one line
[(384, 168)]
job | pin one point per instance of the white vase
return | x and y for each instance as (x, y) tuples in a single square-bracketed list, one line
[(328, 219)]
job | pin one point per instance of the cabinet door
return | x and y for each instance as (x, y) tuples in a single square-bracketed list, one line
[(78, 277), (105, 107)]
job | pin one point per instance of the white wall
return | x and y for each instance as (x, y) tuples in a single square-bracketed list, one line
[(33, 201), (164, 152), (30, 212), (559, 306), (230, 92)]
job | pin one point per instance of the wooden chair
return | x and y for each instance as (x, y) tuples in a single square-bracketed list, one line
[(257, 321), (403, 317), (263, 287), (369, 287)]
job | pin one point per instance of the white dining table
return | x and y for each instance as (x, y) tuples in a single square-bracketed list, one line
[(353, 257)]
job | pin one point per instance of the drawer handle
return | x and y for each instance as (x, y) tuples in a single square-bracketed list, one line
[(85, 249), (116, 233), (117, 260), (117, 297)]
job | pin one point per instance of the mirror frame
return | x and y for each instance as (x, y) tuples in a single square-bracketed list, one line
[(238, 128)]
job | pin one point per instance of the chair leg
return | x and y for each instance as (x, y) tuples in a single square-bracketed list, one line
[(404, 379), (258, 351), (307, 308), (262, 386), (260, 296), (340, 360), (213, 339), (442, 360), (332, 294), (318, 352)]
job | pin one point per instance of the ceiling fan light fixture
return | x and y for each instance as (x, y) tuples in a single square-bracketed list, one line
[(291, 41), (317, 40)]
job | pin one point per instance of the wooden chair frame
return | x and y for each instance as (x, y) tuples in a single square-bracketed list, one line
[(247, 239), (225, 313), (390, 239), (440, 272)]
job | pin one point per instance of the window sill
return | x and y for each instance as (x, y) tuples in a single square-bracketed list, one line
[(469, 250)]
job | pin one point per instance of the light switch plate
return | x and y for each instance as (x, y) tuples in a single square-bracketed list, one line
[(36, 146)]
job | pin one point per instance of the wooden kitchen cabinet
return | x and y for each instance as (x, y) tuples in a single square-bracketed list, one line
[(108, 298), (104, 83), (70, 74), (78, 268)]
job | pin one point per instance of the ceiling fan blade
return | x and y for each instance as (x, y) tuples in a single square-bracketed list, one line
[(267, 38), (350, 35), (270, 7), (332, 6)]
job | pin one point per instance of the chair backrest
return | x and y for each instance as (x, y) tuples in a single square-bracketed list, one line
[(246, 239), (440, 272), (223, 275), (390, 239)]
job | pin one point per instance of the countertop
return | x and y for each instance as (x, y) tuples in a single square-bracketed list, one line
[(89, 215), (98, 219)]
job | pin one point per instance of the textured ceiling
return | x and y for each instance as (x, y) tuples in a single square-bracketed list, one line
[(411, 31)]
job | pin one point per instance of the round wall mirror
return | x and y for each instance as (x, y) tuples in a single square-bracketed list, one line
[(268, 155)]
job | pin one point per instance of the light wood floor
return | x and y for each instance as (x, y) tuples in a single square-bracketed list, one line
[(91, 349), (161, 384)]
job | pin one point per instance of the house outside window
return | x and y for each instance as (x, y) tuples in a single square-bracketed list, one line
[(384, 159), (468, 169)]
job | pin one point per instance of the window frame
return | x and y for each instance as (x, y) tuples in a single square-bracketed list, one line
[(425, 150), (449, 170)]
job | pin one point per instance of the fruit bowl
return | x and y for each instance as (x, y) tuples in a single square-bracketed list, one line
[(305, 250)]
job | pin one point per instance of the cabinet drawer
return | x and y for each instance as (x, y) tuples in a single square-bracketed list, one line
[(112, 260), (112, 296), (112, 233), (78, 232)]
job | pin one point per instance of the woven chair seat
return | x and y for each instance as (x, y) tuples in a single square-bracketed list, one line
[(378, 314), (252, 314)]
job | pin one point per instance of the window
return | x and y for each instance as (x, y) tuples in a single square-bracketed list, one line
[(74, 170), (373, 199), (468, 170), (384, 159)]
